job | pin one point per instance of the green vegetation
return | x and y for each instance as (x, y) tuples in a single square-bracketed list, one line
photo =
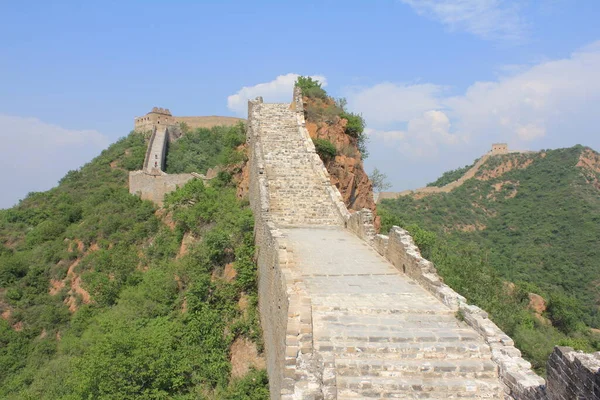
[(379, 179), (356, 124), (536, 226), (199, 150), (324, 109), (451, 176), (311, 87), (100, 302), (325, 149)]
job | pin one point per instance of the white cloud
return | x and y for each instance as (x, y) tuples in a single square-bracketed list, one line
[(530, 132), (278, 90), (387, 136), (37, 154), (488, 19), (422, 135), (387, 102), (545, 100)]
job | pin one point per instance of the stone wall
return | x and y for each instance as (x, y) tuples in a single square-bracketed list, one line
[(208, 121), (434, 189), (284, 304), (497, 149), (162, 116), (296, 370), (152, 183), (573, 375), (153, 187)]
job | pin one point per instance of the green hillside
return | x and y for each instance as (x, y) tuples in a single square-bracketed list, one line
[(532, 220), (104, 296)]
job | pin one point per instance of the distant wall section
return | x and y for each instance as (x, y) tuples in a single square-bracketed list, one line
[(154, 187), (152, 183), (208, 121), (497, 149), (162, 117)]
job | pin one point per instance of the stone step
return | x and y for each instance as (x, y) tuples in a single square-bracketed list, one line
[(342, 333), (421, 350), (382, 309), (405, 320), (473, 368), (375, 387)]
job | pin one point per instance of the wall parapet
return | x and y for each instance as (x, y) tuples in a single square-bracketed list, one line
[(295, 370), (520, 381), (149, 149), (573, 374)]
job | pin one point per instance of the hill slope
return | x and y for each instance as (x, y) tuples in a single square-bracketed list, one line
[(105, 296), (531, 219)]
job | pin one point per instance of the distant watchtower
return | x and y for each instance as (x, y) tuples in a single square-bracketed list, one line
[(499, 148), (157, 117)]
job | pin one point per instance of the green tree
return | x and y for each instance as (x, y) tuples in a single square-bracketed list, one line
[(379, 180)]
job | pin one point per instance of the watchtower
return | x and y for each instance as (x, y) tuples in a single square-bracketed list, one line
[(157, 117), (499, 148)]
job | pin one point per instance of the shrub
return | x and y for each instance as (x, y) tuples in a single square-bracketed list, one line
[(355, 128), (356, 124), (325, 149), (311, 87)]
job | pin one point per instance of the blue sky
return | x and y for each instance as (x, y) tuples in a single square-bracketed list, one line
[(437, 80)]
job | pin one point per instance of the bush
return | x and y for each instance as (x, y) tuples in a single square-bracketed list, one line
[(325, 149), (311, 87), (355, 128), (356, 124)]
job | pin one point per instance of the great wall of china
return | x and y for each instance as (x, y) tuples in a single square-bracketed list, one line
[(152, 182), (497, 149), (349, 314)]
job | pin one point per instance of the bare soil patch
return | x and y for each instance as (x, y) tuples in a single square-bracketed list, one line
[(244, 355), (506, 166), (229, 273)]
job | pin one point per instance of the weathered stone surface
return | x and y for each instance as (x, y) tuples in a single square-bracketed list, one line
[(573, 375)]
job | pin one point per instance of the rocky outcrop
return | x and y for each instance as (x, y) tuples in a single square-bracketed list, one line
[(346, 170)]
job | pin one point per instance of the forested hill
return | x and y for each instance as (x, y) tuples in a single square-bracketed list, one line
[(104, 296), (530, 219)]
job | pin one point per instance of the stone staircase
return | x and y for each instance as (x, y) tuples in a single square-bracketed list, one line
[(297, 196), (381, 335), (155, 157), (372, 331)]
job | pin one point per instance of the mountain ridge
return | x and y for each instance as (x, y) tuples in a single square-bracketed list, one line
[(532, 219)]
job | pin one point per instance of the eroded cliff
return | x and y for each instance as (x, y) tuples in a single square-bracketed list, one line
[(346, 169)]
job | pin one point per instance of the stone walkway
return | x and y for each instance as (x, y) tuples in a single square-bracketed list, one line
[(155, 155), (297, 196), (380, 334)]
